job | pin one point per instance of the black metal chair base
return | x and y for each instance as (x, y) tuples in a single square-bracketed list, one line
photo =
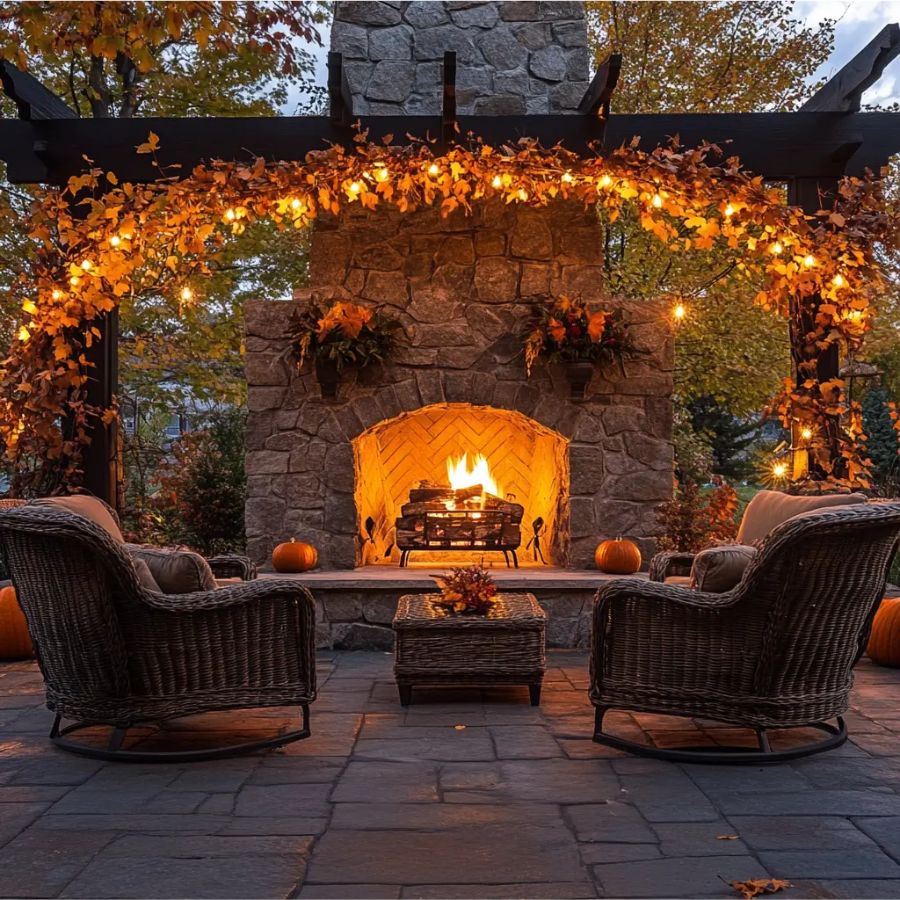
[(114, 752), (730, 756)]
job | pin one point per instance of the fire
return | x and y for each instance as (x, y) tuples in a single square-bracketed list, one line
[(461, 476)]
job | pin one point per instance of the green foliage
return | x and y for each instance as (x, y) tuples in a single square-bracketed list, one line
[(693, 453), (203, 487), (729, 438), (882, 446)]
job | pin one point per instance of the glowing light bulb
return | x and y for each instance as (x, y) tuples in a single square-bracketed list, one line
[(86, 264), (806, 434), (809, 261), (567, 178), (433, 169), (30, 308), (776, 248), (295, 203), (354, 187), (657, 201), (56, 295), (74, 281), (679, 312), (838, 281), (497, 182), (523, 194), (24, 334), (229, 214), (779, 470), (115, 240), (382, 174), (729, 210), (605, 181), (186, 293)]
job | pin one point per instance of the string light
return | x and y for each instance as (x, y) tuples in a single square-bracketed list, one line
[(354, 187), (74, 281), (657, 201), (86, 264), (779, 470), (295, 203), (433, 169), (56, 295), (679, 312), (229, 214), (497, 182), (24, 334), (382, 174), (115, 240), (729, 210), (30, 307), (776, 248), (838, 280), (567, 178), (809, 261), (186, 293), (523, 194), (806, 433)]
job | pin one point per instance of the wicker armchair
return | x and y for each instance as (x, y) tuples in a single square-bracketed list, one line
[(113, 653), (777, 651)]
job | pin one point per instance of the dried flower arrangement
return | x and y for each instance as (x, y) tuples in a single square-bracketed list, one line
[(564, 330), (467, 591), (345, 334)]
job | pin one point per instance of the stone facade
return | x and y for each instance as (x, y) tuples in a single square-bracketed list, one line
[(512, 58), (461, 288)]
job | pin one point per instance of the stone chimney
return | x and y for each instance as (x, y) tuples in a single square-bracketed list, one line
[(512, 58)]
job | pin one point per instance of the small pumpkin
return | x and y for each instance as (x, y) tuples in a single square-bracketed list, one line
[(884, 641), (294, 556), (618, 557), (15, 642)]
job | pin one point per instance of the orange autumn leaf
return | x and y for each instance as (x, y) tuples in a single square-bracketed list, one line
[(756, 886), (557, 330), (596, 325)]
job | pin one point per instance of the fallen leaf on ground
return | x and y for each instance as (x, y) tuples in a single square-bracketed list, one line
[(727, 837), (756, 886), (459, 727)]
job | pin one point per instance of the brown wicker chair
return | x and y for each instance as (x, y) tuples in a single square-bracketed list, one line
[(777, 651), (113, 653)]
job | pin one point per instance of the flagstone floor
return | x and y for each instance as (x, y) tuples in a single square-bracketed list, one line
[(383, 802)]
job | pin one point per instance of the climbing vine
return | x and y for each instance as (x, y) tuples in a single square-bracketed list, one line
[(100, 241)]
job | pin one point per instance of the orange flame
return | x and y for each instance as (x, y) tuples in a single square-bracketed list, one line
[(461, 476)]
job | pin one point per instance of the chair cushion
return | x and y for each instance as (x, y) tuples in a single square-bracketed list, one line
[(145, 576), (719, 569), (175, 571), (87, 507), (768, 509)]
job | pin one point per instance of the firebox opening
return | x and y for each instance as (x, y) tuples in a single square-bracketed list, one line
[(455, 484)]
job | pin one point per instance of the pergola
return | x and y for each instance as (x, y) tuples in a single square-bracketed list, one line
[(810, 150)]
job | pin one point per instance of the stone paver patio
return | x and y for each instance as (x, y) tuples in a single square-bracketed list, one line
[(383, 802)]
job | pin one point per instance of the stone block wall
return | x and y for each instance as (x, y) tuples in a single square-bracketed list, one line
[(512, 58)]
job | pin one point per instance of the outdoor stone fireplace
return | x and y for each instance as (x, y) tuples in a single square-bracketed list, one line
[(461, 287)]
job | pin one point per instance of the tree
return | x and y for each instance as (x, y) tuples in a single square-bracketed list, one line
[(883, 444), (729, 437), (706, 57)]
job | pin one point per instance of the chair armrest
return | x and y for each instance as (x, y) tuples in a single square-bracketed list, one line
[(233, 565), (662, 564), (623, 590), (231, 595)]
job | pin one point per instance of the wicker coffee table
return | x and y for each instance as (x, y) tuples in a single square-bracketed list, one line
[(432, 647)]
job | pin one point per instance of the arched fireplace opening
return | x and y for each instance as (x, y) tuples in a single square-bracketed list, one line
[(406, 499)]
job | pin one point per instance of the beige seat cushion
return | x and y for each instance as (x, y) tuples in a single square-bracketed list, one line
[(87, 507), (175, 571), (719, 569), (769, 509), (145, 576)]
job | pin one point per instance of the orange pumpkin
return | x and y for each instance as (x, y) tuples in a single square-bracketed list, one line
[(884, 642), (14, 640), (618, 557), (294, 556)]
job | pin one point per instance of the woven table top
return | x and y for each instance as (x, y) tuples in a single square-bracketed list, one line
[(419, 610)]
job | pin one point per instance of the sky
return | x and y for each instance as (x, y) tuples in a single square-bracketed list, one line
[(858, 22)]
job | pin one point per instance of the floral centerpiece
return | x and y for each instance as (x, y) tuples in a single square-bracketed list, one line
[(343, 335), (566, 331), (466, 591)]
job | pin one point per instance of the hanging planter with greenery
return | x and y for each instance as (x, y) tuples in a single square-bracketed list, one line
[(565, 331), (346, 334)]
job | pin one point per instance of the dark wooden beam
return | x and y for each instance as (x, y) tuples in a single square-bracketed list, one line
[(32, 99), (776, 145), (843, 91), (448, 110), (596, 100), (340, 97)]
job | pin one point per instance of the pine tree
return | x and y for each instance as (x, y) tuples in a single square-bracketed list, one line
[(883, 445), (729, 437)]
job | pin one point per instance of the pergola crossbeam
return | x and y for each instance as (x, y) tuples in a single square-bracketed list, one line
[(33, 100), (596, 100), (843, 91)]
